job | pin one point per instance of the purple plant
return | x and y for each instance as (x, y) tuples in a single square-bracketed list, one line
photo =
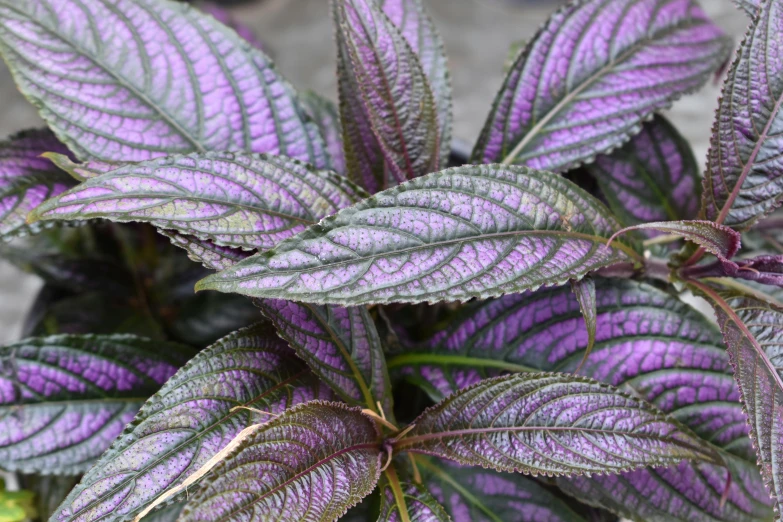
[(512, 339)]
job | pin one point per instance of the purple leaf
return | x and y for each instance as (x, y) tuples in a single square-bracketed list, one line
[(392, 88), (481, 495), (720, 241), (764, 270), (205, 251), (419, 503), (131, 80), (743, 181), (326, 115), (649, 344), (269, 476), (341, 346), (752, 331), (26, 179), (592, 74), (190, 420), (654, 177), (750, 6), (65, 398), (241, 200), (474, 231), (417, 27), (552, 424)]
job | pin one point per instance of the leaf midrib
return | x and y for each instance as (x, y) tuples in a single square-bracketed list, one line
[(536, 129)]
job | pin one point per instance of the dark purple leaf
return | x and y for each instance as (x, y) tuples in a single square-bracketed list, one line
[(311, 463), (743, 181), (649, 344), (765, 270), (481, 495), (654, 177), (341, 346), (592, 74), (552, 424), (752, 331), (131, 80), (419, 504), (242, 200), (719, 240), (26, 179), (391, 88), (64, 399), (190, 420), (417, 27), (474, 231), (326, 115)]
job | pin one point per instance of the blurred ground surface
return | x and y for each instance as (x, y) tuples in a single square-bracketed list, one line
[(298, 34)]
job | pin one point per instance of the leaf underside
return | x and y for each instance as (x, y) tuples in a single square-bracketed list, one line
[(474, 231)]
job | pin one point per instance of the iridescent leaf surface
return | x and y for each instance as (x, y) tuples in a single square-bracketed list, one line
[(649, 344), (313, 462), (326, 115), (750, 6), (421, 505), (191, 419), (474, 231), (744, 181), (130, 80), (243, 200), (64, 399), (752, 330), (592, 74), (552, 424), (417, 27), (584, 291), (719, 240), (341, 346), (393, 89), (472, 494), (654, 177), (26, 179)]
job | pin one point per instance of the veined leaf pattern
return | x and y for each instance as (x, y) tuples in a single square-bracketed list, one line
[(474, 231), (752, 330), (750, 6), (26, 179), (65, 398), (744, 181), (205, 251), (191, 419), (648, 343), (130, 80), (326, 115), (241, 200), (592, 74), (341, 345), (393, 90), (719, 240), (313, 462), (417, 27), (552, 424), (654, 177)]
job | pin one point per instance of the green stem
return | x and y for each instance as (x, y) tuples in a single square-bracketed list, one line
[(399, 495), (456, 360)]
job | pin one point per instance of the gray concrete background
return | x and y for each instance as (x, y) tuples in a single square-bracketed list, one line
[(298, 33)]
